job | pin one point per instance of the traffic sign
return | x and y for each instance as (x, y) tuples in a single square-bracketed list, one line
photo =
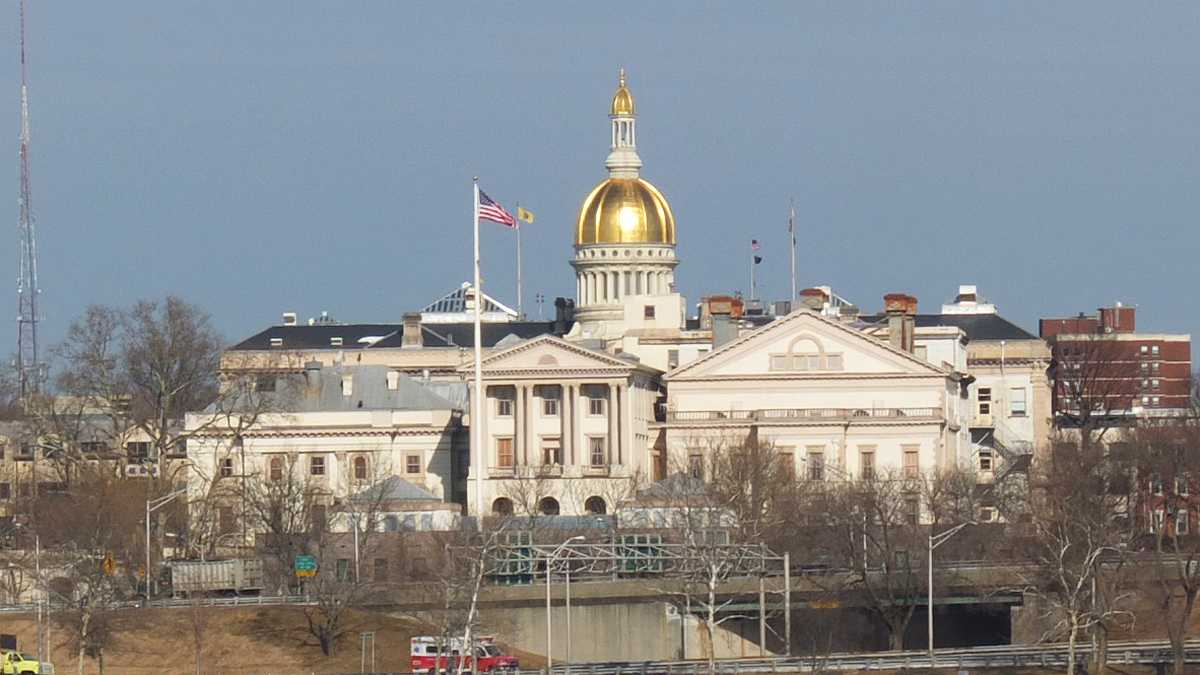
[(306, 566)]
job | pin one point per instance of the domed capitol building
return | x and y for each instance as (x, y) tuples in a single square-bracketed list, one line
[(622, 387)]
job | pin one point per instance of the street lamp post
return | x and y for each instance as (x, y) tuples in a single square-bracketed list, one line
[(153, 505), (549, 631), (936, 540)]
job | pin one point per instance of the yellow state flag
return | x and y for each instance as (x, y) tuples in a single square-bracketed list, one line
[(524, 214)]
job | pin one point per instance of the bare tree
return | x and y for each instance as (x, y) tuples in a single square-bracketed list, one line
[(1167, 467), (1095, 379), (288, 511), (93, 526), (1078, 499)]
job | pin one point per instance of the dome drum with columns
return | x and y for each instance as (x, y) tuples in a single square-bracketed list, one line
[(625, 233)]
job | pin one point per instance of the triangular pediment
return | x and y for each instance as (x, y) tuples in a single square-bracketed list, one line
[(548, 353), (805, 344)]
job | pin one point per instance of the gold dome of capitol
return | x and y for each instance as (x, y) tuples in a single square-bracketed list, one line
[(625, 208), (625, 211)]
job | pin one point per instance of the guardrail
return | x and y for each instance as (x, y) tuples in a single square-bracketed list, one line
[(1002, 656), (235, 601)]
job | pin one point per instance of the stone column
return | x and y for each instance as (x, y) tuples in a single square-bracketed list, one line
[(564, 431), (574, 388), (614, 431)]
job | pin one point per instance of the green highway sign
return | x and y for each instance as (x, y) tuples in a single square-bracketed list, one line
[(306, 566)]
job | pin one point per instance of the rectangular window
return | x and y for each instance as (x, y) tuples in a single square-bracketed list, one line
[(347, 385), (264, 383), (226, 468), (866, 462), (648, 312), (1154, 366), (136, 452), (912, 510), (550, 407), (1154, 350), (225, 521), (696, 466), (787, 464), (412, 464), (381, 569), (343, 569), (316, 466), (595, 406), (5, 491), (985, 400), (1145, 366), (1181, 485), (1154, 384), (780, 362), (551, 451), (1157, 523), (672, 358), (1154, 400), (276, 469), (597, 451), (985, 459), (1145, 349), (90, 449), (1181, 521), (816, 463), (317, 517), (1156, 486), (912, 462), (833, 362), (504, 452), (1016, 402), (504, 407)]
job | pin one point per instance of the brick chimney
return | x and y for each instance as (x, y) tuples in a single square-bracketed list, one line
[(813, 298), (901, 310), (411, 337)]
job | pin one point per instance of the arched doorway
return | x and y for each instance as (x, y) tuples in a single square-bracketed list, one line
[(548, 506), (503, 506), (595, 506)]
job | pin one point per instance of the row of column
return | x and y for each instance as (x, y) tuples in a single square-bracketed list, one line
[(527, 451), (596, 287)]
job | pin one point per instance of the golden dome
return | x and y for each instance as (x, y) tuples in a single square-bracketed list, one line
[(625, 211), (622, 103)]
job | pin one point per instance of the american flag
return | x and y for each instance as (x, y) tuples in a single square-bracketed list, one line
[(490, 210)]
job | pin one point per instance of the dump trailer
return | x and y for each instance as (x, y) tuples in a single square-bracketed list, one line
[(239, 576)]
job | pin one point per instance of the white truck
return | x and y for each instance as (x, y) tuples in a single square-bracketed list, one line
[(240, 576)]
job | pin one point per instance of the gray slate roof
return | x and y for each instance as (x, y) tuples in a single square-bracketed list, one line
[(395, 488), (976, 326)]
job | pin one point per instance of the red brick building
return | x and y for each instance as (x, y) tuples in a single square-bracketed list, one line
[(1103, 368)]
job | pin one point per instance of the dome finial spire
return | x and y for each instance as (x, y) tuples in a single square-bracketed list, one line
[(622, 103)]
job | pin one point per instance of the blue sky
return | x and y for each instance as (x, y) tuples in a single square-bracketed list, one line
[(262, 157)]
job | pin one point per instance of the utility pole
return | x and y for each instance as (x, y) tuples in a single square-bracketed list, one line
[(29, 367)]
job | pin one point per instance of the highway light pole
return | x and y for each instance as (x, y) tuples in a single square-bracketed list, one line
[(936, 540), (153, 505), (549, 626)]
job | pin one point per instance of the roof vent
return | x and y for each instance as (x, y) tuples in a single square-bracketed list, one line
[(289, 318), (335, 342), (276, 342)]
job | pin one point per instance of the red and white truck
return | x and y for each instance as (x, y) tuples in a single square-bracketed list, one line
[(435, 656)]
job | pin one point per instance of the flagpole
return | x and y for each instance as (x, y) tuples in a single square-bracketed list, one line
[(792, 235), (520, 295), (753, 286), (477, 404)]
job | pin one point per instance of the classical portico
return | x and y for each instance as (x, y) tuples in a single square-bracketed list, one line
[(564, 428)]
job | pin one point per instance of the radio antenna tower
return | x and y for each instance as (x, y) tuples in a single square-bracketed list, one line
[(29, 367)]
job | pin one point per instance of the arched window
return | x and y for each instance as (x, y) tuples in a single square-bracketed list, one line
[(595, 506), (276, 470), (548, 506), (360, 468), (503, 506)]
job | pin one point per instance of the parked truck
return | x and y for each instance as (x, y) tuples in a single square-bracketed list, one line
[(239, 576), (436, 656), (13, 662)]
